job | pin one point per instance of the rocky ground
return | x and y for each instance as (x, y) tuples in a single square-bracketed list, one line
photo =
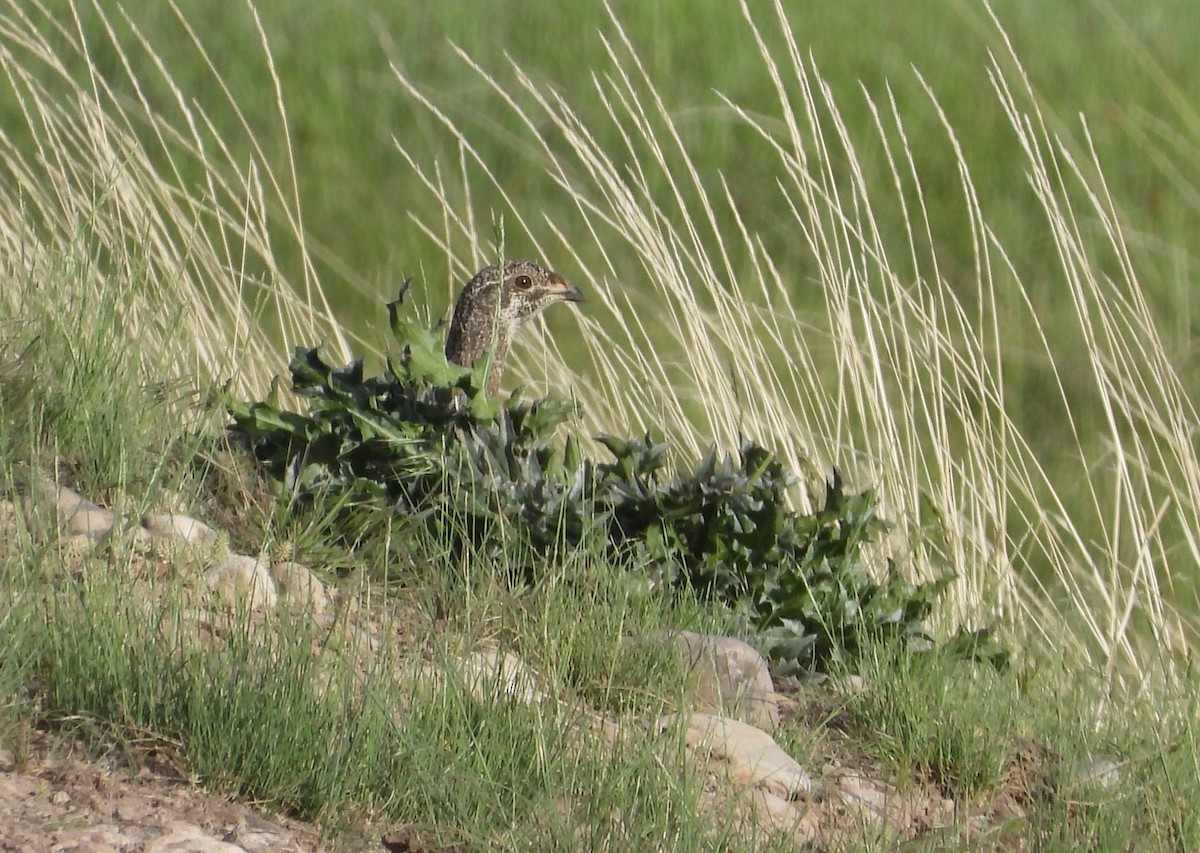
[(58, 797), (55, 795), (61, 796)]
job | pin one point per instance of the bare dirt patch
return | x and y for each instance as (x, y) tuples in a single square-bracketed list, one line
[(55, 796)]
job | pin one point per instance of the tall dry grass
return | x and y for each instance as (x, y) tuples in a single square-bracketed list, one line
[(691, 327), (694, 330), (144, 191)]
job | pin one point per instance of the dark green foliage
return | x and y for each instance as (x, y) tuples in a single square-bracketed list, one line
[(423, 441), (726, 530)]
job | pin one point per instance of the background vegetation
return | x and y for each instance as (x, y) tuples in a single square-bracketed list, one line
[(950, 253), (851, 211)]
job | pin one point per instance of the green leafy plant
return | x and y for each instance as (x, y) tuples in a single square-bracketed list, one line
[(800, 580), (423, 439)]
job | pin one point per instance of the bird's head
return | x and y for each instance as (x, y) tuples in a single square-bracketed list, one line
[(495, 304), (518, 290)]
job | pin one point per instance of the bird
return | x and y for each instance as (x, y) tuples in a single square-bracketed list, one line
[(494, 305)]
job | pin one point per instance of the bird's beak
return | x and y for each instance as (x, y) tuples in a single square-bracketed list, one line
[(568, 291)]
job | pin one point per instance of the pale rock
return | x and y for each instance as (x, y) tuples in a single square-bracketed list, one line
[(599, 729), (850, 685), (73, 513), (747, 756), (254, 840), (1096, 772), (864, 795), (881, 805), (366, 641), (490, 675), (179, 528), (190, 839), (298, 586), (244, 579), (258, 834), (763, 817), (136, 536), (731, 679), (105, 838), (93, 522), (9, 519), (77, 545), (778, 815), (66, 501)]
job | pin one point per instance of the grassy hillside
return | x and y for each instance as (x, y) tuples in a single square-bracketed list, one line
[(947, 253)]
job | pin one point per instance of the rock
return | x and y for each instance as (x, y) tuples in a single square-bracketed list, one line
[(754, 790), (190, 839), (244, 579), (879, 804), (179, 528), (253, 840), (10, 521), (743, 754), (731, 679), (865, 795), (73, 513), (66, 501), (298, 586), (1096, 772), (92, 522), (490, 675), (255, 834), (77, 545), (850, 685), (105, 838), (777, 816)]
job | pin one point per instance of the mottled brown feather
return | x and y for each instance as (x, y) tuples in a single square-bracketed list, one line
[(493, 307)]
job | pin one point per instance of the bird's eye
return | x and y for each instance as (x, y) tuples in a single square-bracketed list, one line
[(523, 282)]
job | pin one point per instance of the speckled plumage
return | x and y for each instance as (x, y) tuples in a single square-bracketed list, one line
[(493, 307)]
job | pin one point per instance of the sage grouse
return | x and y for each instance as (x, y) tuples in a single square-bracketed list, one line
[(493, 306)]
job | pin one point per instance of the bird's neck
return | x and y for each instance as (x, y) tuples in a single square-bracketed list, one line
[(486, 330)]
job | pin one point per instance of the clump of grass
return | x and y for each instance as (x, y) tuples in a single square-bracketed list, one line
[(73, 380), (253, 710), (19, 664), (607, 634), (950, 721)]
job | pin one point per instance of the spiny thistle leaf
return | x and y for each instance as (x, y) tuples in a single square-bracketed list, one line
[(423, 435)]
